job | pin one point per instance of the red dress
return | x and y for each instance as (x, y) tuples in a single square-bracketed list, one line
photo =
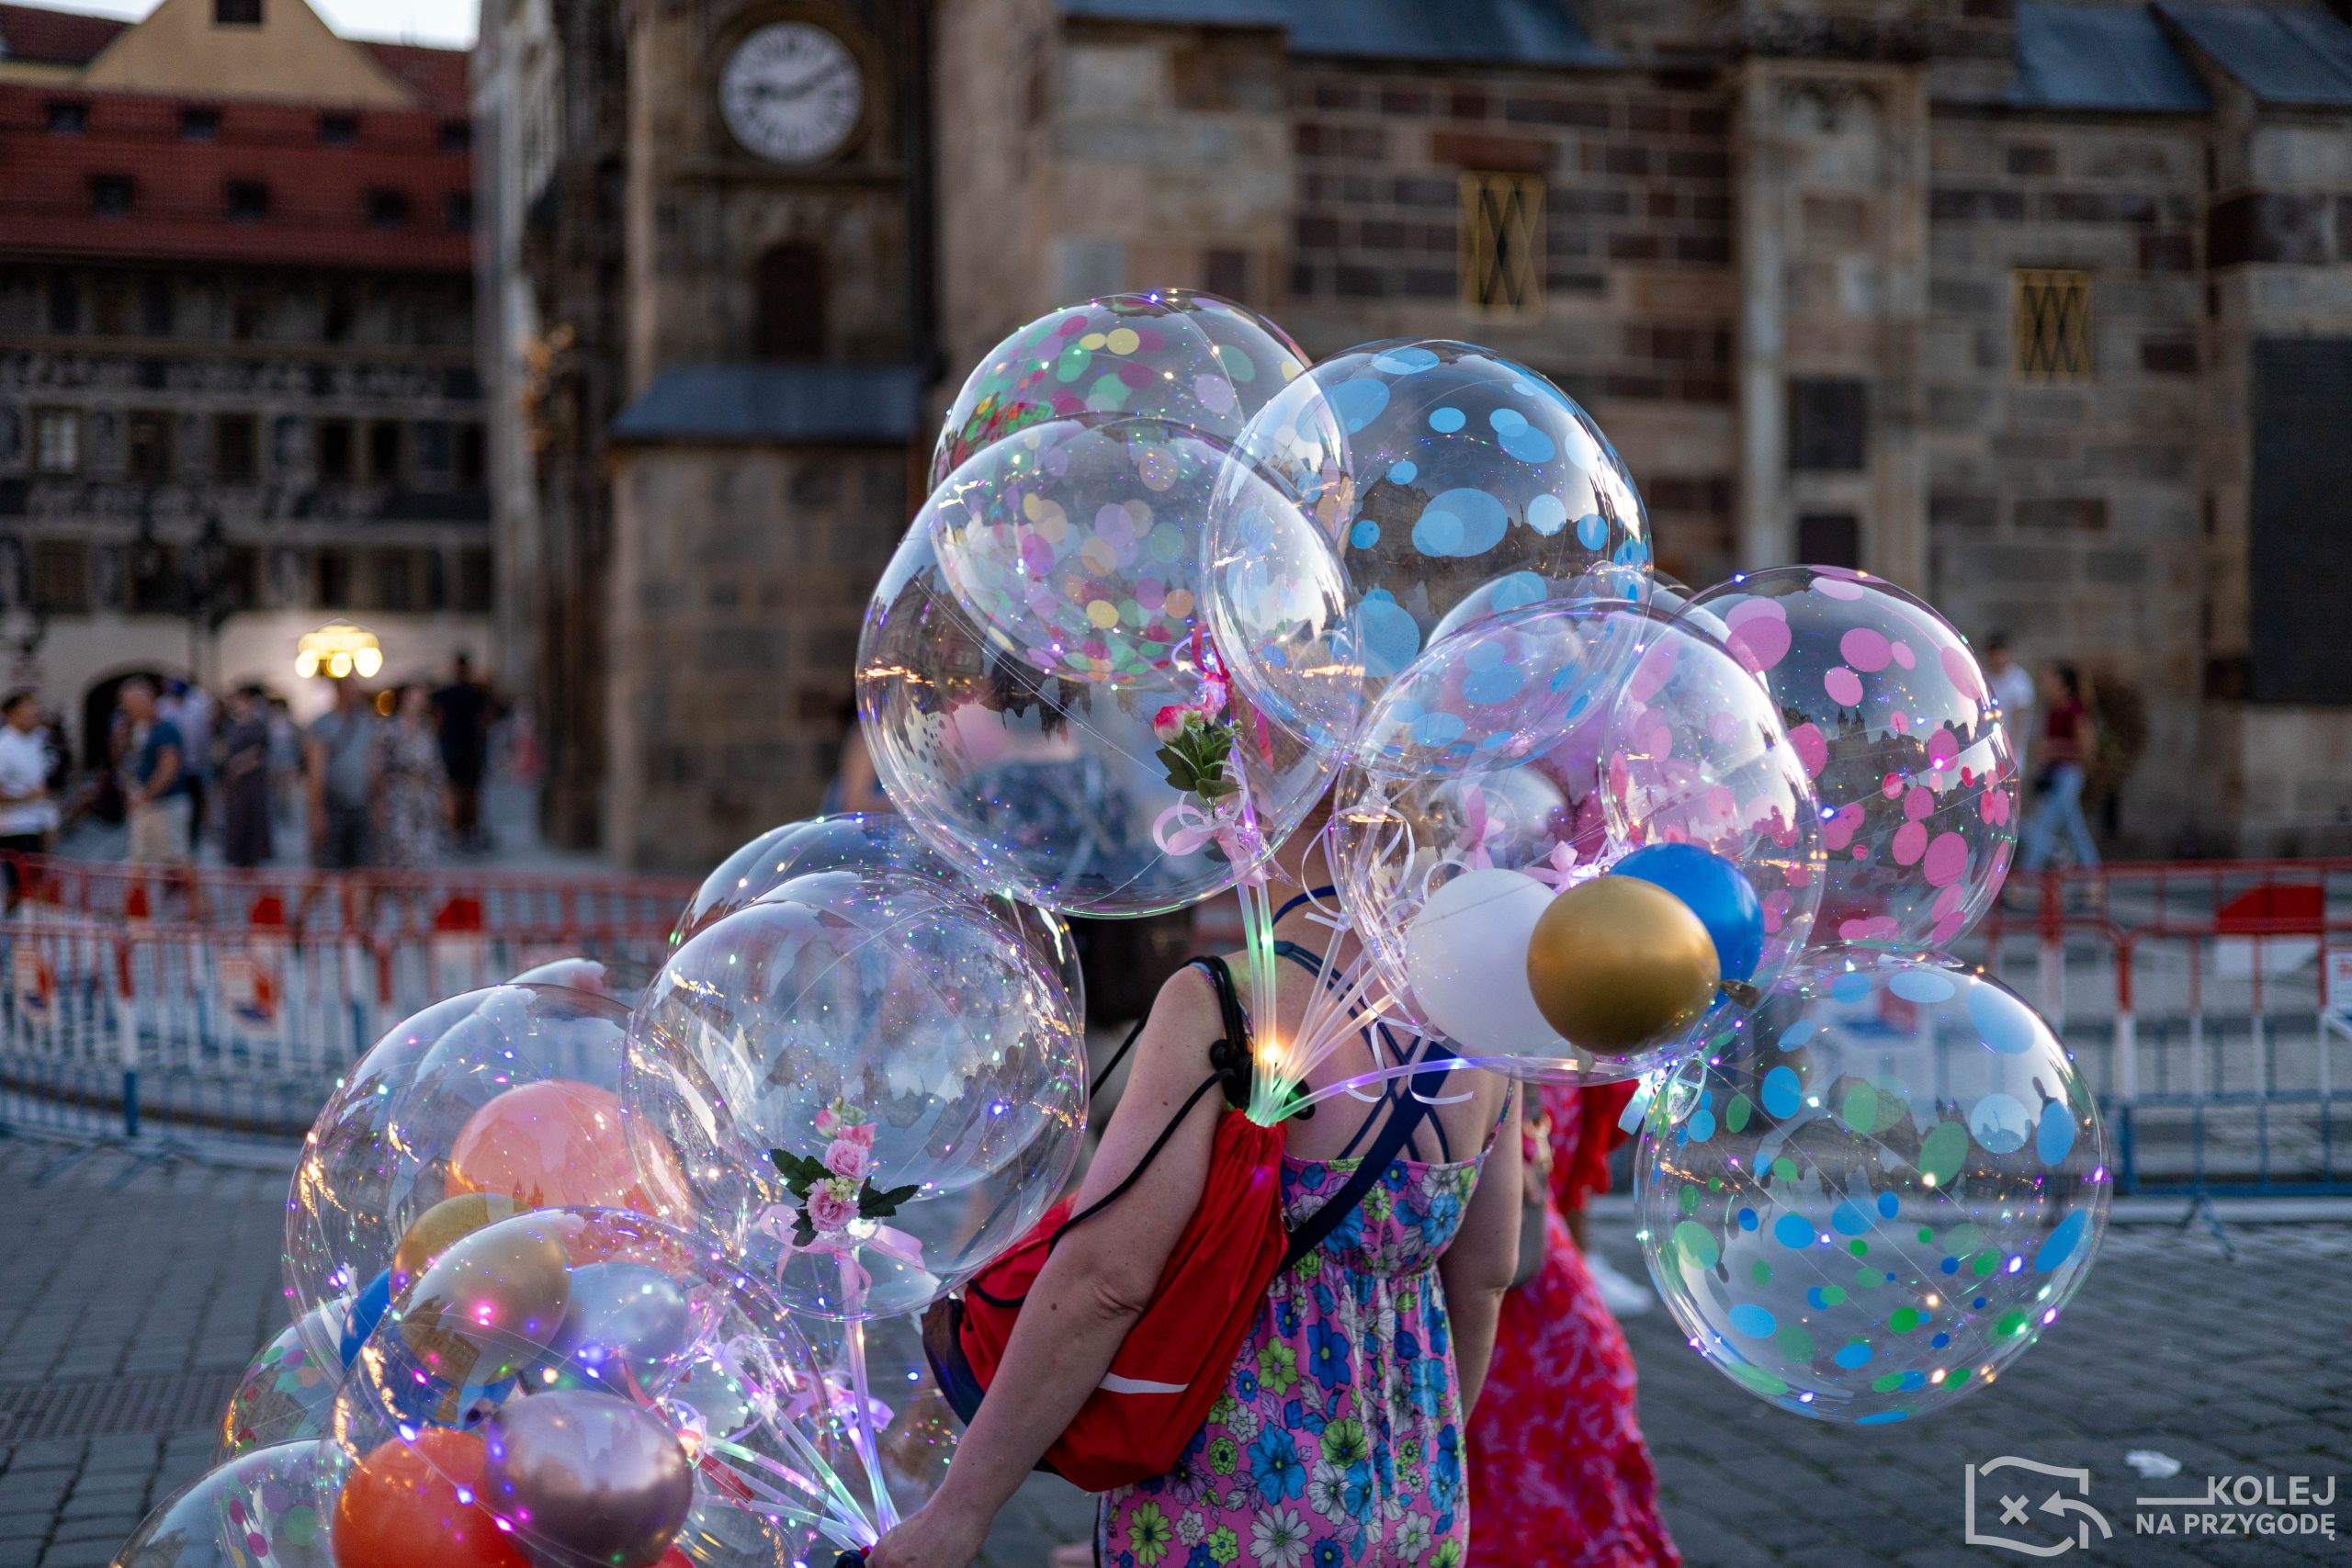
[(1559, 1476)]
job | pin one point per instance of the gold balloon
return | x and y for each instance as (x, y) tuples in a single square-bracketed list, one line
[(491, 1302), (1616, 963), (441, 1227)]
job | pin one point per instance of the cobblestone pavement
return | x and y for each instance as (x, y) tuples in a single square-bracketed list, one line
[(130, 1298)]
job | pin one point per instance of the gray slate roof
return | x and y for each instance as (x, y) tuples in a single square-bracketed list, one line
[(814, 403), (1525, 32), (2114, 58), (2283, 54)]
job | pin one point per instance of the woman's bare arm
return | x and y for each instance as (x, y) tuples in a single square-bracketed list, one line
[(1477, 1267), (1091, 1291)]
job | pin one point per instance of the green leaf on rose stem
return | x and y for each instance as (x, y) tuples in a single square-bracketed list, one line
[(881, 1202)]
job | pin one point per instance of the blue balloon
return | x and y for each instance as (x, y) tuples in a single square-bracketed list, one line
[(1718, 893), (367, 1310)]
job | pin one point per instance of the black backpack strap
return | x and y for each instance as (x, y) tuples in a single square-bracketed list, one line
[(1236, 1063), (1408, 1115)]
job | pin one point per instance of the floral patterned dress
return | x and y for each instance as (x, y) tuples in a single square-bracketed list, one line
[(1339, 1440), (1556, 1447)]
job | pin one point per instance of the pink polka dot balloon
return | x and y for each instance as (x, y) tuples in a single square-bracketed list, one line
[(1891, 715)]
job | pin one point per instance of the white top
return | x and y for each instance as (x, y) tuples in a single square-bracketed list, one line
[(24, 766), (2013, 689)]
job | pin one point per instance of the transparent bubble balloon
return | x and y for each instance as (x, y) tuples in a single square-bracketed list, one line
[(1422, 810), (621, 978), (588, 1387), (490, 1103), (1041, 619), (874, 1086), (1899, 730), (1439, 471), (1190, 359), (289, 1389), (1694, 752), (914, 1429), (268, 1507), (859, 842), (1881, 1194)]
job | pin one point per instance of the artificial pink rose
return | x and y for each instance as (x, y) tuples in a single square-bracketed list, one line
[(849, 1159), (1167, 723), (827, 1122), (861, 1134), (827, 1209)]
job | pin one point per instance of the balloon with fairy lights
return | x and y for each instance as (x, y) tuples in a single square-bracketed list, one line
[(1440, 470), (288, 1389), (1880, 1193), (1491, 782), (863, 840), (1040, 691), (493, 1102), (1899, 730), (1187, 358), (267, 1507)]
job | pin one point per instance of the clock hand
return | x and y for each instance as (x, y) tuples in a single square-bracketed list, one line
[(800, 89)]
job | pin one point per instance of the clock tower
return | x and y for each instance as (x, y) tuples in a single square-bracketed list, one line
[(778, 336)]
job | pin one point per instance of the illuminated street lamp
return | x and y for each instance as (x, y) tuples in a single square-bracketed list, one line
[(339, 648)]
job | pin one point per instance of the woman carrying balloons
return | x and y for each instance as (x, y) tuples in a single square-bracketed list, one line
[(1339, 1437)]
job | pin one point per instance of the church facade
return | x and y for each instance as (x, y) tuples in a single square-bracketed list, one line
[(2042, 310)]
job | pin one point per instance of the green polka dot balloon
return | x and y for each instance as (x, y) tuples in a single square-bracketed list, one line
[(270, 1507), (289, 1389), (1877, 1192)]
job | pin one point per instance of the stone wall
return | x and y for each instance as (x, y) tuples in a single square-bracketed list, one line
[(740, 577)]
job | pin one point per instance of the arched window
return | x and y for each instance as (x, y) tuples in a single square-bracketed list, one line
[(788, 316)]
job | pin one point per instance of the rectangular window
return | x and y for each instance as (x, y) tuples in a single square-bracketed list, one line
[(338, 129), (2050, 324), (334, 580), (155, 578), (248, 200), (57, 441), (151, 444), (1830, 539), (473, 579), (155, 305), (429, 449), (458, 210), (436, 580), (65, 303), (1502, 243), (2300, 554), (236, 449), (236, 13), (341, 312), (384, 453), (395, 579), (61, 575), (472, 464), (110, 194), (385, 208), (199, 125), (245, 577), (334, 453), (456, 135), (69, 116), (1830, 424), (1227, 272)]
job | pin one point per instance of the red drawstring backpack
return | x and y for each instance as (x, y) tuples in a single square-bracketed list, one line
[(1175, 1360)]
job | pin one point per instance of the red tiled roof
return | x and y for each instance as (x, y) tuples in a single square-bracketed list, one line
[(438, 74), (54, 38), (318, 192)]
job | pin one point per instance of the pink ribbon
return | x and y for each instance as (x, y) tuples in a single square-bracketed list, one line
[(778, 1220)]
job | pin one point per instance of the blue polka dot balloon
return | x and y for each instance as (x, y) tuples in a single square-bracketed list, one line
[(1440, 471), (1877, 1189)]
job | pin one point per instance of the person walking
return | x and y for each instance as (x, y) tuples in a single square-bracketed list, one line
[(2012, 687), (340, 762), (462, 709), (153, 763), (1562, 1475), (1338, 1436), (189, 708), (243, 775), (27, 811), (2066, 740), (412, 790)]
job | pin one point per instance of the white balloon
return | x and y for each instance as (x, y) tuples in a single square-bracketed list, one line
[(1466, 957)]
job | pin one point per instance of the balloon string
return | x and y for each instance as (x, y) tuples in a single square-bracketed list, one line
[(845, 1529), (862, 1436)]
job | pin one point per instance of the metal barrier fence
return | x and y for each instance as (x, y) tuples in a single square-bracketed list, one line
[(109, 1029)]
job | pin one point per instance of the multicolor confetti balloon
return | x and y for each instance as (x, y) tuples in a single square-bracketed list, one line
[(1190, 359), (1025, 653), (268, 1507), (1441, 470), (865, 1006), (1888, 1180), (1900, 732), (286, 1391)]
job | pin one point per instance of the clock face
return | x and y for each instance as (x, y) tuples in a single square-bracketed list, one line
[(791, 93)]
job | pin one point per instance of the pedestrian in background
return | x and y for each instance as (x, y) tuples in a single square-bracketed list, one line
[(27, 811), (462, 709), (153, 764), (413, 793), (2066, 741), (339, 759), (243, 775), (189, 708), (2012, 687)]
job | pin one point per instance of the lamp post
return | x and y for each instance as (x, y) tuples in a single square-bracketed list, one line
[(209, 596), (339, 650)]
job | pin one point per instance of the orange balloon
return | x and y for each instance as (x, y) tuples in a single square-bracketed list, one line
[(401, 1508), (560, 1143)]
